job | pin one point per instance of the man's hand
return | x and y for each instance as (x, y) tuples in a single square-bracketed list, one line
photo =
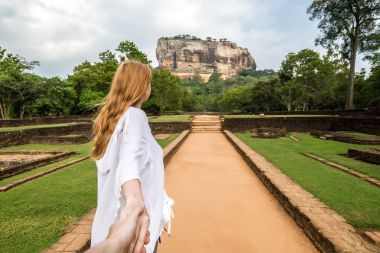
[(134, 201), (120, 235), (141, 235)]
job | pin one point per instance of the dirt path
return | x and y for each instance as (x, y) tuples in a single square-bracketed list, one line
[(221, 206)]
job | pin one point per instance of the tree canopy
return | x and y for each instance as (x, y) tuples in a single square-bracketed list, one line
[(349, 27)]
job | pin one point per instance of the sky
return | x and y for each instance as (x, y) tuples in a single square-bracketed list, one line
[(61, 34)]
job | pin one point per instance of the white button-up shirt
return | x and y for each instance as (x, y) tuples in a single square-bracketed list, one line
[(132, 153)]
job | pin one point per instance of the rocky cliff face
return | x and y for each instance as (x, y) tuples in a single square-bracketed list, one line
[(187, 58)]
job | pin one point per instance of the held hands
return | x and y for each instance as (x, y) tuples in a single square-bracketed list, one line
[(140, 234), (134, 202), (122, 236)]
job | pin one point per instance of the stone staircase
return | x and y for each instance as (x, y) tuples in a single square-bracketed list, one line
[(206, 123)]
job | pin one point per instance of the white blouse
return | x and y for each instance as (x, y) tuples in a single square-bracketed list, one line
[(132, 153)]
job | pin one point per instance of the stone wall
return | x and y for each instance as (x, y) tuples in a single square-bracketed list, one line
[(169, 127), (29, 135), (42, 121), (360, 112), (52, 134), (306, 124)]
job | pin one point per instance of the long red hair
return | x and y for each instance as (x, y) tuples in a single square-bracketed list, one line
[(129, 85)]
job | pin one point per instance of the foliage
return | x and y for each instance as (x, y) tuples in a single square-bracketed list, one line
[(166, 93), (257, 73), (349, 27), (182, 36), (15, 85), (305, 81), (369, 89), (310, 82), (129, 51)]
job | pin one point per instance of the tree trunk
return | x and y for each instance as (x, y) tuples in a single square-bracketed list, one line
[(351, 79), (22, 111), (5, 110), (289, 106)]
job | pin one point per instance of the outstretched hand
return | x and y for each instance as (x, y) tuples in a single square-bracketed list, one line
[(141, 233), (121, 235)]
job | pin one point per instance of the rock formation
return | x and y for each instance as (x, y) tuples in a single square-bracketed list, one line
[(189, 57)]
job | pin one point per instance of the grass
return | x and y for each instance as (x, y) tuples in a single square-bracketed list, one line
[(170, 118), (356, 200), (34, 215), (272, 116), (358, 134), (81, 150), (14, 129)]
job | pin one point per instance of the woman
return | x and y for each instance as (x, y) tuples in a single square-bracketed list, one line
[(129, 161)]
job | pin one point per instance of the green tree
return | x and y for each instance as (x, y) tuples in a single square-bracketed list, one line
[(308, 81), (349, 26), (14, 83), (264, 95), (215, 77), (166, 90), (237, 99), (55, 97), (83, 77), (104, 70), (130, 51), (369, 89)]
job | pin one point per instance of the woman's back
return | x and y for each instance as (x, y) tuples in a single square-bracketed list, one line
[(132, 153)]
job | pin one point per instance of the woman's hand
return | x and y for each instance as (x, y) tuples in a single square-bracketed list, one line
[(134, 202), (121, 234)]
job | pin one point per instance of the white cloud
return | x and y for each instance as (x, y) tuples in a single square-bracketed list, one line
[(63, 33)]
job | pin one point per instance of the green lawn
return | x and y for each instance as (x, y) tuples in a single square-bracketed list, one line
[(34, 215), (272, 116), (362, 134), (81, 150), (356, 200), (170, 118), (13, 129), (165, 142)]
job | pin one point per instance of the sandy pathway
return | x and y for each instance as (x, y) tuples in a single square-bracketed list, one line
[(221, 206)]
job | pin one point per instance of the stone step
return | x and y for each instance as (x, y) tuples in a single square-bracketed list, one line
[(206, 127), (206, 118), (205, 131), (199, 123)]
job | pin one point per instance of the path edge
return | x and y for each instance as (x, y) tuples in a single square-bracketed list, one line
[(77, 237), (173, 146), (328, 230), (24, 180)]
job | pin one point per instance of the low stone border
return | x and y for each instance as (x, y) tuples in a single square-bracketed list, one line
[(78, 139), (19, 137), (18, 169), (293, 137), (27, 179), (77, 238), (373, 236), (357, 174), (370, 155), (328, 230), (173, 146), (345, 137)]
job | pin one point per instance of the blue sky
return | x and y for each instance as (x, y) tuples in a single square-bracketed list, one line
[(63, 33)]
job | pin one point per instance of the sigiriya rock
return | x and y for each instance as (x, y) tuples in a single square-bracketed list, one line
[(189, 56)]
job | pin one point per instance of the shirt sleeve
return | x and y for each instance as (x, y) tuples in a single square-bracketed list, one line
[(133, 153)]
